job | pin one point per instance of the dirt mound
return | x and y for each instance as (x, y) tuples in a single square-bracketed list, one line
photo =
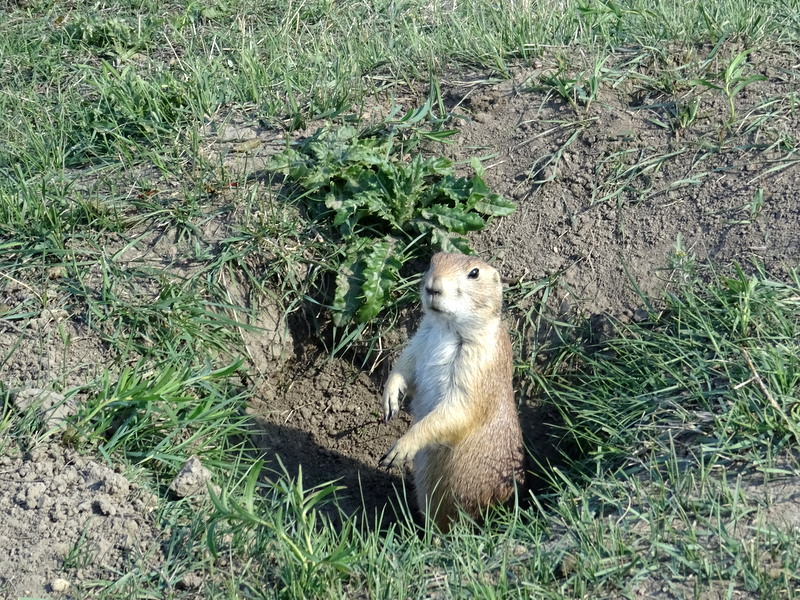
[(324, 421)]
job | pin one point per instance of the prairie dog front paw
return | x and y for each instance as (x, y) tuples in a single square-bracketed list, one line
[(391, 396), (399, 454)]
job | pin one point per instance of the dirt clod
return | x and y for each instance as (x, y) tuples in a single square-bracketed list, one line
[(59, 585), (191, 479)]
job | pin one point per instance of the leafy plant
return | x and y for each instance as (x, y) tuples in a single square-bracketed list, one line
[(579, 91), (732, 81), (387, 203)]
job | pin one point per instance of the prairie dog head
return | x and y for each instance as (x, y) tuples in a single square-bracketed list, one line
[(462, 290)]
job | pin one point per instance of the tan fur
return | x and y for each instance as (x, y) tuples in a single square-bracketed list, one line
[(465, 440)]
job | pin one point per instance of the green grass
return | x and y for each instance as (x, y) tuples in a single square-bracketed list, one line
[(670, 427), (716, 367)]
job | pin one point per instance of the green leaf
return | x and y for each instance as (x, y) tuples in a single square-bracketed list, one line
[(477, 167), (705, 82), (442, 135), (439, 165), (379, 276), (453, 219), (495, 205), (348, 289), (446, 243), (457, 190), (745, 82)]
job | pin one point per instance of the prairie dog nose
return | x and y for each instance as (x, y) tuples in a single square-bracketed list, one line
[(433, 290), (433, 285)]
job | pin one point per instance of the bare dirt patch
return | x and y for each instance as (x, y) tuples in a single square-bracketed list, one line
[(605, 191), (324, 420), (69, 521)]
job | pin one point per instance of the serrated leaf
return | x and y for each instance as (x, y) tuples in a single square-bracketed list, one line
[(447, 243), (439, 165), (495, 205), (453, 219), (408, 182), (364, 155), (348, 289), (345, 210), (479, 185), (278, 163), (374, 204), (461, 245), (397, 207), (455, 189), (379, 276), (421, 226)]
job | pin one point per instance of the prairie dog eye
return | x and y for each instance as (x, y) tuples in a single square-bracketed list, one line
[(474, 273)]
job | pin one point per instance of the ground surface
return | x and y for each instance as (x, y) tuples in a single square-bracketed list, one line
[(604, 192), (67, 521)]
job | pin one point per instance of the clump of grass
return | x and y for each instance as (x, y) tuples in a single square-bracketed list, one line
[(106, 34), (282, 516), (129, 109), (162, 419), (718, 364), (732, 80), (579, 90)]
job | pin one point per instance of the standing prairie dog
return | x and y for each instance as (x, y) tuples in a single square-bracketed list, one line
[(465, 440)]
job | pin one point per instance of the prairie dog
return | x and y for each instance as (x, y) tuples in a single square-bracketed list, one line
[(465, 440)]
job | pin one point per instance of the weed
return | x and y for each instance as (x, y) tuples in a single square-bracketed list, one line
[(683, 262), (546, 168), (80, 555), (384, 207), (732, 81), (619, 177), (685, 114), (579, 91), (127, 109)]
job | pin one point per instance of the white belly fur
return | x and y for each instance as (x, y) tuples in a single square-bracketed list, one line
[(435, 371)]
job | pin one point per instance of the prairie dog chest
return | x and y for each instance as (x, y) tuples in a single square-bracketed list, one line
[(440, 371)]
